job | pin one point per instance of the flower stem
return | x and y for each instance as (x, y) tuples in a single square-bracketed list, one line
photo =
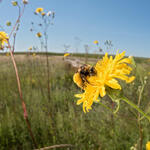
[(105, 106), (135, 107), (21, 97)]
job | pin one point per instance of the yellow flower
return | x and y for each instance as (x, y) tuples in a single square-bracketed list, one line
[(30, 48), (25, 2), (107, 71), (43, 14), (148, 146), (66, 54), (3, 39), (39, 34), (39, 10), (14, 3), (8, 23), (96, 42), (7, 54), (34, 54)]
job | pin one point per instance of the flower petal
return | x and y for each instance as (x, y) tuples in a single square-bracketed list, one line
[(113, 83), (102, 91)]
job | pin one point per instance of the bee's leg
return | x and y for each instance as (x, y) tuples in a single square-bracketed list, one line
[(83, 77)]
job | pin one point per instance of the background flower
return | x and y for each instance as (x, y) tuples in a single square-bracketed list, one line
[(39, 10), (39, 34)]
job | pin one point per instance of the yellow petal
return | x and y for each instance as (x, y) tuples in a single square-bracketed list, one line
[(66, 54), (113, 84), (148, 145), (78, 95), (125, 60), (77, 79), (119, 56), (130, 79), (102, 91), (79, 101), (121, 76)]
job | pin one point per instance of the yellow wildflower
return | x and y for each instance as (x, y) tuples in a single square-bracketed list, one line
[(34, 54), (8, 23), (43, 14), (30, 48), (107, 71), (3, 39), (96, 42), (25, 2), (14, 3), (148, 146), (66, 54), (7, 54), (39, 10), (39, 34)]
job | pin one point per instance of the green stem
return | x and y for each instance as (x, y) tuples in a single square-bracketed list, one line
[(135, 107), (105, 106)]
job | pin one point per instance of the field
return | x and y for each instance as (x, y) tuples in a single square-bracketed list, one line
[(57, 119), (74, 75)]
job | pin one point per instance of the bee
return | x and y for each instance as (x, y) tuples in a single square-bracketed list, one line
[(84, 71)]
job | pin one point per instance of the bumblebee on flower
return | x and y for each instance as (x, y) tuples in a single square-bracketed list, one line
[(105, 73)]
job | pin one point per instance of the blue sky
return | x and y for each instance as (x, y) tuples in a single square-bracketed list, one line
[(125, 22)]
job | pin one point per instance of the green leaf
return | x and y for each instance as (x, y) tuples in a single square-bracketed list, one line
[(117, 95)]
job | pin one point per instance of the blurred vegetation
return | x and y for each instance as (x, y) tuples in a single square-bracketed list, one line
[(137, 59), (59, 120)]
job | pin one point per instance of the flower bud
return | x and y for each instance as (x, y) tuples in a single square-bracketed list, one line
[(14, 3), (25, 2), (8, 23)]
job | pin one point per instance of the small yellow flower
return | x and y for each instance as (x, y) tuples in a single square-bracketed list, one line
[(8, 23), (96, 42), (34, 54), (66, 54), (39, 10), (107, 71), (25, 2), (30, 48), (39, 34), (14, 3), (7, 54), (148, 146), (3, 39), (43, 14)]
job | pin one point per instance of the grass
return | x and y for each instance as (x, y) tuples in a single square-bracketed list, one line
[(59, 120)]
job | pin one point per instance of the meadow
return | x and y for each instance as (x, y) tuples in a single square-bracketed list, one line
[(71, 100), (57, 119)]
